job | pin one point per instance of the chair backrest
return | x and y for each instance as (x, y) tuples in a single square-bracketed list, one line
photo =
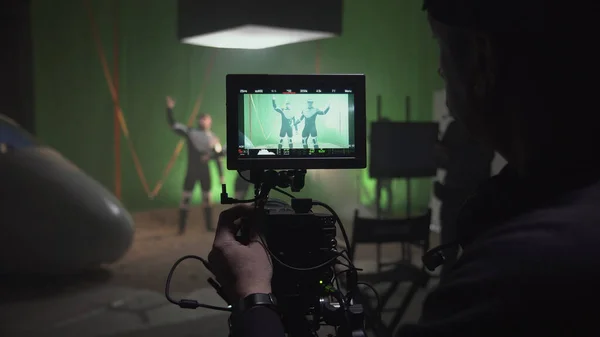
[(414, 230)]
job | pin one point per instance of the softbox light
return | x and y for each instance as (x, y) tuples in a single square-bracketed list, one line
[(257, 24)]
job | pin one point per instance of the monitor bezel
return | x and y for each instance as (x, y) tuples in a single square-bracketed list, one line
[(355, 82)]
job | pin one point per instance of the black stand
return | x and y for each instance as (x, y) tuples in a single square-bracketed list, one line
[(385, 184)]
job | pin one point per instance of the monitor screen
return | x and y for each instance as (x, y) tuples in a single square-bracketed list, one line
[(298, 125)]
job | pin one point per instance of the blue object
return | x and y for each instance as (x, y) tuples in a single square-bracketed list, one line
[(12, 135)]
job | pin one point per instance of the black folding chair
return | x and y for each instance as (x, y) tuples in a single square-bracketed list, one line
[(407, 232)]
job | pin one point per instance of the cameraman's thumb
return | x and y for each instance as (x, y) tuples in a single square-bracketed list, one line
[(227, 227)]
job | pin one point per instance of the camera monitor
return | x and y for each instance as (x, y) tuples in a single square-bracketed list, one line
[(296, 122)]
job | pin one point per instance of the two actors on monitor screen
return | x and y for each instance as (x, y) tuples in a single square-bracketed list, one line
[(203, 146), (308, 115)]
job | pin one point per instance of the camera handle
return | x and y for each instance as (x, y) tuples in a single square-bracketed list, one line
[(266, 180)]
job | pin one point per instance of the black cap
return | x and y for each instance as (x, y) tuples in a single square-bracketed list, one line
[(489, 15)]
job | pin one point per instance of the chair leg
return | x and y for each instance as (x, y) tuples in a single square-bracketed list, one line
[(405, 303), (378, 258), (388, 294), (374, 321)]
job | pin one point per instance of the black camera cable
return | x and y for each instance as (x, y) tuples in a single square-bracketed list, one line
[(189, 303)]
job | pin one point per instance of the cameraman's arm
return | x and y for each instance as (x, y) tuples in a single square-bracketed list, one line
[(258, 322)]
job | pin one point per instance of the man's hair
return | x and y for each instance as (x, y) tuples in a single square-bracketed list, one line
[(203, 115), (527, 67), (513, 29)]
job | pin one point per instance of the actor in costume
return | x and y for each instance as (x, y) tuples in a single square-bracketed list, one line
[(287, 121), (309, 115), (203, 146)]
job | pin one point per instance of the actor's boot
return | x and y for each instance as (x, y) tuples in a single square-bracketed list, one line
[(208, 219), (183, 215)]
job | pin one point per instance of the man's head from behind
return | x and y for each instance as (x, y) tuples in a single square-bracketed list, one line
[(310, 103), (490, 59), (204, 122)]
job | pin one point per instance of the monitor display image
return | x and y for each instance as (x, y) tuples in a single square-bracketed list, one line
[(296, 121), (297, 124)]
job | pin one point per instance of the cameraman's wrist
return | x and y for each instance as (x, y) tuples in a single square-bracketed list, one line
[(254, 290), (249, 316)]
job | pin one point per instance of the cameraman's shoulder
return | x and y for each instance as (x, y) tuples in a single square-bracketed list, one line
[(548, 241)]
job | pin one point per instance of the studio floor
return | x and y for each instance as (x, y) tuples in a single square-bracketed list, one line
[(126, 299)]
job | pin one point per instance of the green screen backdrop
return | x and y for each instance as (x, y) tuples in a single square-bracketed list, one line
[(388, 40)]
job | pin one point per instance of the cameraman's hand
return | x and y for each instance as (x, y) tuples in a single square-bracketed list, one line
[(241, 269)]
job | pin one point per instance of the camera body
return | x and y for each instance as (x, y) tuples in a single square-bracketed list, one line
[(303, 245), (302, 241)]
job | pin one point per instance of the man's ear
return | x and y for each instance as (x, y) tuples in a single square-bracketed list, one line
[(485, 64)]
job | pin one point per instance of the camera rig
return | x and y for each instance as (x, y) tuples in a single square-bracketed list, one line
[(303, 247), (308, 267)]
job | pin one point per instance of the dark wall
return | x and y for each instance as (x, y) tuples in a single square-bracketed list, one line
[(16, 84), (388, 41)]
